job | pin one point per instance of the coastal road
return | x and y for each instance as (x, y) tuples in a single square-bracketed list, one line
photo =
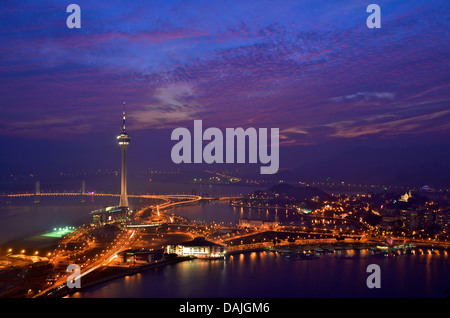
[(124, 241)]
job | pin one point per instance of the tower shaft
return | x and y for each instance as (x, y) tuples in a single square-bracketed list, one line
[(123, 182)]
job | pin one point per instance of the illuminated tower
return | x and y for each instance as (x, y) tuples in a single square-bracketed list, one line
[(124, 141)]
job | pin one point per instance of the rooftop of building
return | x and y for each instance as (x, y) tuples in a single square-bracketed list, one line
[(109, 209), (198, 241), (141, 251)]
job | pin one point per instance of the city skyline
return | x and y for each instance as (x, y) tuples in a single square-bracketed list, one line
[(281, 150)]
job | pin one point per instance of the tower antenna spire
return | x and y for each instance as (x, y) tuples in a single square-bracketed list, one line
[(123, 123)]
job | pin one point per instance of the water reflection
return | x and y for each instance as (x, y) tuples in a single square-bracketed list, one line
[(22, 218), (364, 252), (268, 274)]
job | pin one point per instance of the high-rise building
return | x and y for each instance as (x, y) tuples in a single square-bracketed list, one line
[(443, 219), (109, 215), (124, 141)]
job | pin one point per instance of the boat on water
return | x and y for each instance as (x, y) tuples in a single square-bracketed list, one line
[(301, 257)]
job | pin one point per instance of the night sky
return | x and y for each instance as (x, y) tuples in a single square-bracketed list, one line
[(348, 100)]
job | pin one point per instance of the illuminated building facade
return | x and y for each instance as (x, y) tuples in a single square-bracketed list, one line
[(109, 215), (198, 247), (443, 219), (141, 256), (405, 197), (258, 224)]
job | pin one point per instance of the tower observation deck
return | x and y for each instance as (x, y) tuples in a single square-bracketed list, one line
[(123, 140)]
